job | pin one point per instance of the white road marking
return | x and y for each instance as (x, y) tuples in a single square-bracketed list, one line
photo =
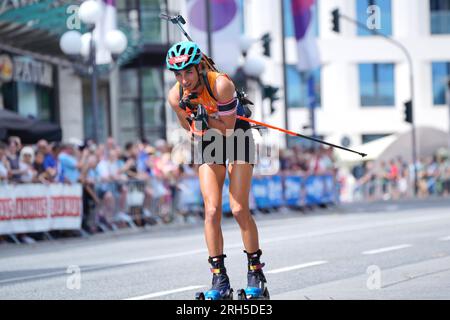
[(53, 274), (445, 238), (165, 293), (299, 266), (49, 274), (164, 256), (381, 250), (93, 268)]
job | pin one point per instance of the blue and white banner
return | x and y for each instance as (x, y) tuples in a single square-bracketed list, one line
[(293, 190), (315, 187), (226, 196), (268, 192), (329, 189), (275, 186), (260, 191)]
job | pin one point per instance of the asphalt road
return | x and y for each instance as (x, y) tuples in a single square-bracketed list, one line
[(363, 251)]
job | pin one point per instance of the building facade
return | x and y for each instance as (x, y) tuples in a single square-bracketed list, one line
[(360, 88), (363, 82)]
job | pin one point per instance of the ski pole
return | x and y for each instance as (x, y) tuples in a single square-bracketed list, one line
[(179, 20), (295, 134)]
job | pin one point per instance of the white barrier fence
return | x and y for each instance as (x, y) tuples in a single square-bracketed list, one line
[(40, 208)]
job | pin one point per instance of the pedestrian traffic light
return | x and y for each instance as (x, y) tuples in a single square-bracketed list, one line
[(270, 93), (266, 40), (335, 20), (408, 111)]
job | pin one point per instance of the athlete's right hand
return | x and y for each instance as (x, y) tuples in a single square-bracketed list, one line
[(198, 121)]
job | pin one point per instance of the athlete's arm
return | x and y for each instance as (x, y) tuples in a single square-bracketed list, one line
[(174, 100), (227, 105)]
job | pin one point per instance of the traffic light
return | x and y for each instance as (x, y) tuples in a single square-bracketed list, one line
[(266, 39), (408, 112), (335, 16), (270, 92)]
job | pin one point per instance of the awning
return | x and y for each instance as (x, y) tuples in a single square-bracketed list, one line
[(429, 141), (29, 130), (37, 27)]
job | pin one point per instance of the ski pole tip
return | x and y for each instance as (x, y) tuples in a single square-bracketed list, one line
[(363, 155)]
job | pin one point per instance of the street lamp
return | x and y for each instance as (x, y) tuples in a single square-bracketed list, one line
[(70, 43), (254, 66), (245, 42), (116, 42), (84, 47), (90, 12)]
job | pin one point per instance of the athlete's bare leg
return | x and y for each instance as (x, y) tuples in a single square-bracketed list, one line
[(240, 183), (212, 177)]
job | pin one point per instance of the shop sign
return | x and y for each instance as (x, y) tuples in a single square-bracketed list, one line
[(6, 68), (24, 69)]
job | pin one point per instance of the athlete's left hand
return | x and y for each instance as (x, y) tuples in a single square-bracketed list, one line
[(201, 118)]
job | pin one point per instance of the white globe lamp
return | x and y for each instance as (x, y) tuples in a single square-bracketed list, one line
[(254, 66), (116, 42), (245, 42), (70, 43), (90, 12)]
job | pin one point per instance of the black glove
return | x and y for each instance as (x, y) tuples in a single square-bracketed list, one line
[(201, 118), (186, 103)]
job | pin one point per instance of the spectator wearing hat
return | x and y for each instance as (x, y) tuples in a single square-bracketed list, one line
[(26, 160)]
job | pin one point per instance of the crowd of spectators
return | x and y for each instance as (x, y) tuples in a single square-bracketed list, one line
[(132, 186), (317, 160), (139, 184), (110, 176), (394, 179)]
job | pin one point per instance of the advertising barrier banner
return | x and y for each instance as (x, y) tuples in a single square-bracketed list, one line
[(39, 208)]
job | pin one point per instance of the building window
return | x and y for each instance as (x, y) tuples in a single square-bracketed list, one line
[(298, 89), (440, 16), (129, 105), (441, 76), (142, 104), (372, 137), (368, 17), (289, 21), (153, 103), (152, 27), (376, 82), (142, 16), (29, 100)]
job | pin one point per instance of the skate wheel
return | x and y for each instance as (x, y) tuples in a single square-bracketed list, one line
[(266, 294), (199, 296), (230, 295), (241, 294)]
